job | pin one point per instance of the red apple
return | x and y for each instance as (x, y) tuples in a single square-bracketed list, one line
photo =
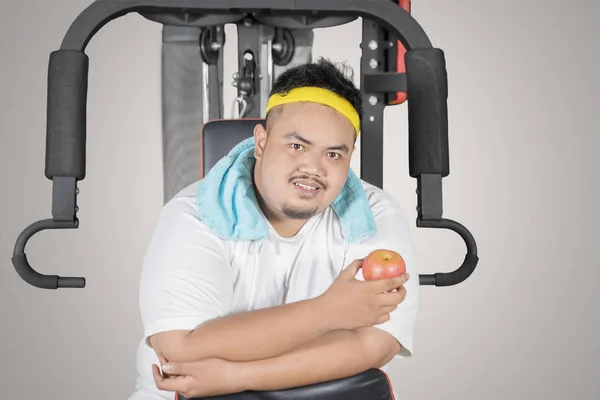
[(383, 264)]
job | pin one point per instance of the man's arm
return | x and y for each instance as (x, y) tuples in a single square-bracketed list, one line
[(334, 355), (393, 233), (270, 332), (247, 336), (186, 296)]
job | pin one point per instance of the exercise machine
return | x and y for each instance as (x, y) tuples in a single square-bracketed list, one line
[(398, 64)]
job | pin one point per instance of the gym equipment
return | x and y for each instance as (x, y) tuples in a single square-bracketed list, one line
[(398, 64), (372, 384)]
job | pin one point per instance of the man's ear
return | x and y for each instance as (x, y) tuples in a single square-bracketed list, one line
[(260, 140)]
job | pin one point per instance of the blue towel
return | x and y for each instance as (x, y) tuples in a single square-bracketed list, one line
[(227, 203)]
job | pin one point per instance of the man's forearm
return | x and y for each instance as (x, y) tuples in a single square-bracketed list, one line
[(334, 355), (256, 335)]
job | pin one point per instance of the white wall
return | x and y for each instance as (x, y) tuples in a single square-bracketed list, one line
[(523, 113)]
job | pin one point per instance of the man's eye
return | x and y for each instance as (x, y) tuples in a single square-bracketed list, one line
[(333, 155), (296, 146)]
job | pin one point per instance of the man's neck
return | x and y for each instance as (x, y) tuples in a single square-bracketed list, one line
[(287, 228), (284, 226)]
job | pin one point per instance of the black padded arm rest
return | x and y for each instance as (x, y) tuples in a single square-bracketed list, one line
[(219, 137), (369, 385)]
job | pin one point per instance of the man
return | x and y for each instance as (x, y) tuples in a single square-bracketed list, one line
[(252, 280)]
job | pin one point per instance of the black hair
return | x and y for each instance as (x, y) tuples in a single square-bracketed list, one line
[(323, 74)]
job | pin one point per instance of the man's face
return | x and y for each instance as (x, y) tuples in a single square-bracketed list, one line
[(303, 162)]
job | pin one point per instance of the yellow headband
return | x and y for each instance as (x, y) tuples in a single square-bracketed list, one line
[(321, 96)]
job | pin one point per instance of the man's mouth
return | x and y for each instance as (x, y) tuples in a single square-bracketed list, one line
[(307, 188)]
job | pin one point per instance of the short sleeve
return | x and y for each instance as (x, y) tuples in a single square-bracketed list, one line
[(393, 233), (186, 277)]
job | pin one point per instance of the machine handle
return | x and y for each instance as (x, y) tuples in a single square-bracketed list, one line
[(468, 265), (24, 269), (429, 157), (65, 159)]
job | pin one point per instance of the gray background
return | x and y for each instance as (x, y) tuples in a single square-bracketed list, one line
[(523, 113)]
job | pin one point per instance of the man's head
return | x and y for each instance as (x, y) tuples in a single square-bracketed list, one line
[(303, 156)]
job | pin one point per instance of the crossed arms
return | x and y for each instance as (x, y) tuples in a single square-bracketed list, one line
[(275, 348), (350, 328)]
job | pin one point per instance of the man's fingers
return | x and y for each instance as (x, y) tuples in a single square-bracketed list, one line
[(394, 298), (162, 359), (178, 384), (176, 368), (389, 309), (352, 269), (164, 382), (385, 285)]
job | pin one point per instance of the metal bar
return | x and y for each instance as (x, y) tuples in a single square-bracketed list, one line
[(385, 13)]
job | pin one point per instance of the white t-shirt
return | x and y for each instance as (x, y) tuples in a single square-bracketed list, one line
[(190, 275)]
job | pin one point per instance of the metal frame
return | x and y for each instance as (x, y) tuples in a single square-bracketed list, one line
[(424, 81)]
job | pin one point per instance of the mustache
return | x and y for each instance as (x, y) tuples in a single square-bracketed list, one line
[(310, 178)]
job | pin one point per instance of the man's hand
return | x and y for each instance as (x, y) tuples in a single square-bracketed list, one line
[(352, 303), (210, 377)]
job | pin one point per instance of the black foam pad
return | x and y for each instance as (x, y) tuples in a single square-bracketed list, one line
[(220, 136), (372, 384), (66, 115), (427, 85)]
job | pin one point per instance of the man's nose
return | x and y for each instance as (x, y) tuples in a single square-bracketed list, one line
[(313, 164)]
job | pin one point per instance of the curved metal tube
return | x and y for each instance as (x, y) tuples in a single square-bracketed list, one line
[(24, 269), (386, 13), (468, 265)]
